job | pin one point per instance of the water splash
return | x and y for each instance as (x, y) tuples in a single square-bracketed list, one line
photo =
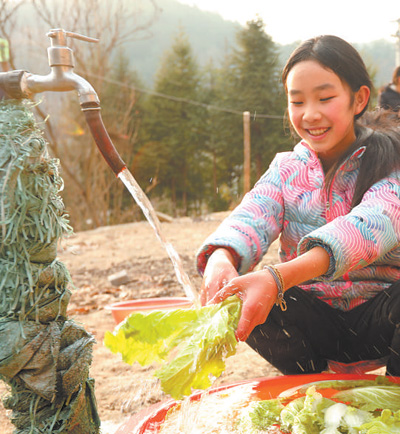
[(142, 200), (216, 412)]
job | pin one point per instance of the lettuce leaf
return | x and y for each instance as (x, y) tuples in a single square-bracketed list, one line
[(306, 415), (190, 344), (338, 385), (372, 398), (386, 423), (333, 418), (355, 417), (309, 414), (260, 415)]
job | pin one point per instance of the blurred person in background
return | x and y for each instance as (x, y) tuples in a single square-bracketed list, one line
[(389, 97)]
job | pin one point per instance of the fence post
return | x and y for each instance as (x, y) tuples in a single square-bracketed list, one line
[(246, 161)]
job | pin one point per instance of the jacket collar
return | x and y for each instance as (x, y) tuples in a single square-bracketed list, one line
[(309, 157)]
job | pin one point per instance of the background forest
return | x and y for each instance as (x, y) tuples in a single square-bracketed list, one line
[(174, 83)]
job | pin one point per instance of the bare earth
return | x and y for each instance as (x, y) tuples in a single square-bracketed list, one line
[(123, 390)]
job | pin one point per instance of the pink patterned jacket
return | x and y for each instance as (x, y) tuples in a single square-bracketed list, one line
[(290, 202)]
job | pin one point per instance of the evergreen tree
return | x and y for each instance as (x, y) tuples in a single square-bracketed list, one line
[(223, 142), (253, 75), (172, 142)]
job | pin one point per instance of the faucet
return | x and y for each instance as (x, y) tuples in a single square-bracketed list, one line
[(61, 78), (21, 84)]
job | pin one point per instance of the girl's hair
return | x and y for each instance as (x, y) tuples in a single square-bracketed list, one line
[(396, 75), (335, 54), (379, 132)]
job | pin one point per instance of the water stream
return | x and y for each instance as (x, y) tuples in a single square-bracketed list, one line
[(142, 200)]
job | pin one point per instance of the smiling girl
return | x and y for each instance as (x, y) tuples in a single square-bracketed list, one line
[(334, 203)]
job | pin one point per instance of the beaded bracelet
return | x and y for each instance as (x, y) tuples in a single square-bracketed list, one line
[(276, 274)]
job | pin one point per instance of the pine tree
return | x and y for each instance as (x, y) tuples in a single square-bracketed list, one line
[(255, 81), (173, 136), (223, 141)]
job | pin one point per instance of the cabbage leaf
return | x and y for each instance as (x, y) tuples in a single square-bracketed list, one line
[(358, 413), (372, 398), (386, 423), (190, 344), (260, 415), (305, 415)]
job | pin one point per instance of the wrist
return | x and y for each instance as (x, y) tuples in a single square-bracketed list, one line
[(280, 284), (229, 254), (309, 265)]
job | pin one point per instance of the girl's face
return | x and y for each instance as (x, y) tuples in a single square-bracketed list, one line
[(322, 109)]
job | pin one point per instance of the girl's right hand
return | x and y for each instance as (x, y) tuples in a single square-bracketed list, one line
[(219, 271)]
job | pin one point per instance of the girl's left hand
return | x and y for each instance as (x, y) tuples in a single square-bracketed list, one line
[(258, 291)]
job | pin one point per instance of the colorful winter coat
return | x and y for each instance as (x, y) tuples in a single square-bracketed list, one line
[(289, 201)]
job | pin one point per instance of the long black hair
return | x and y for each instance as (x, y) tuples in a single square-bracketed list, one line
[(378, 131)]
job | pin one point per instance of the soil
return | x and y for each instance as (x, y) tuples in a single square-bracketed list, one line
[(92, 257)]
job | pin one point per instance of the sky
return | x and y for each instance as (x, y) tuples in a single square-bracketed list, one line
[(294, 20)]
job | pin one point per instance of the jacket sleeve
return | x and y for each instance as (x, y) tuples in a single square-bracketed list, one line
[(252, 226), (365, 235)]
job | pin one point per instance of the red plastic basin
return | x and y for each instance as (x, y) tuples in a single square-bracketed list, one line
[(122, 309), (264, 388)]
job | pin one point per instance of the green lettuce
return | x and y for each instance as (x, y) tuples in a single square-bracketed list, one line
[(315, 414), (190, 344), (260, 415), (339, 385), (372, 398), (305, 415), (386, 423)]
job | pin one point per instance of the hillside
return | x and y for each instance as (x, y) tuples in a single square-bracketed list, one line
[(210, 36)]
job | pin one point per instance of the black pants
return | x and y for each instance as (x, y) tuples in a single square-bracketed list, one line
[(302, 339)]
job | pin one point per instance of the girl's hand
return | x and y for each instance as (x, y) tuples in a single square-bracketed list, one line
[(219, 271), (258, 291)]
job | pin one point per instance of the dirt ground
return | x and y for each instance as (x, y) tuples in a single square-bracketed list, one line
[(91, 257)]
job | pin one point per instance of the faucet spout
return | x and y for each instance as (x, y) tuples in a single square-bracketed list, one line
[(60, 79)]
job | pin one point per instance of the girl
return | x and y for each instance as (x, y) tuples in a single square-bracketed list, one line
[(334, 201)]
